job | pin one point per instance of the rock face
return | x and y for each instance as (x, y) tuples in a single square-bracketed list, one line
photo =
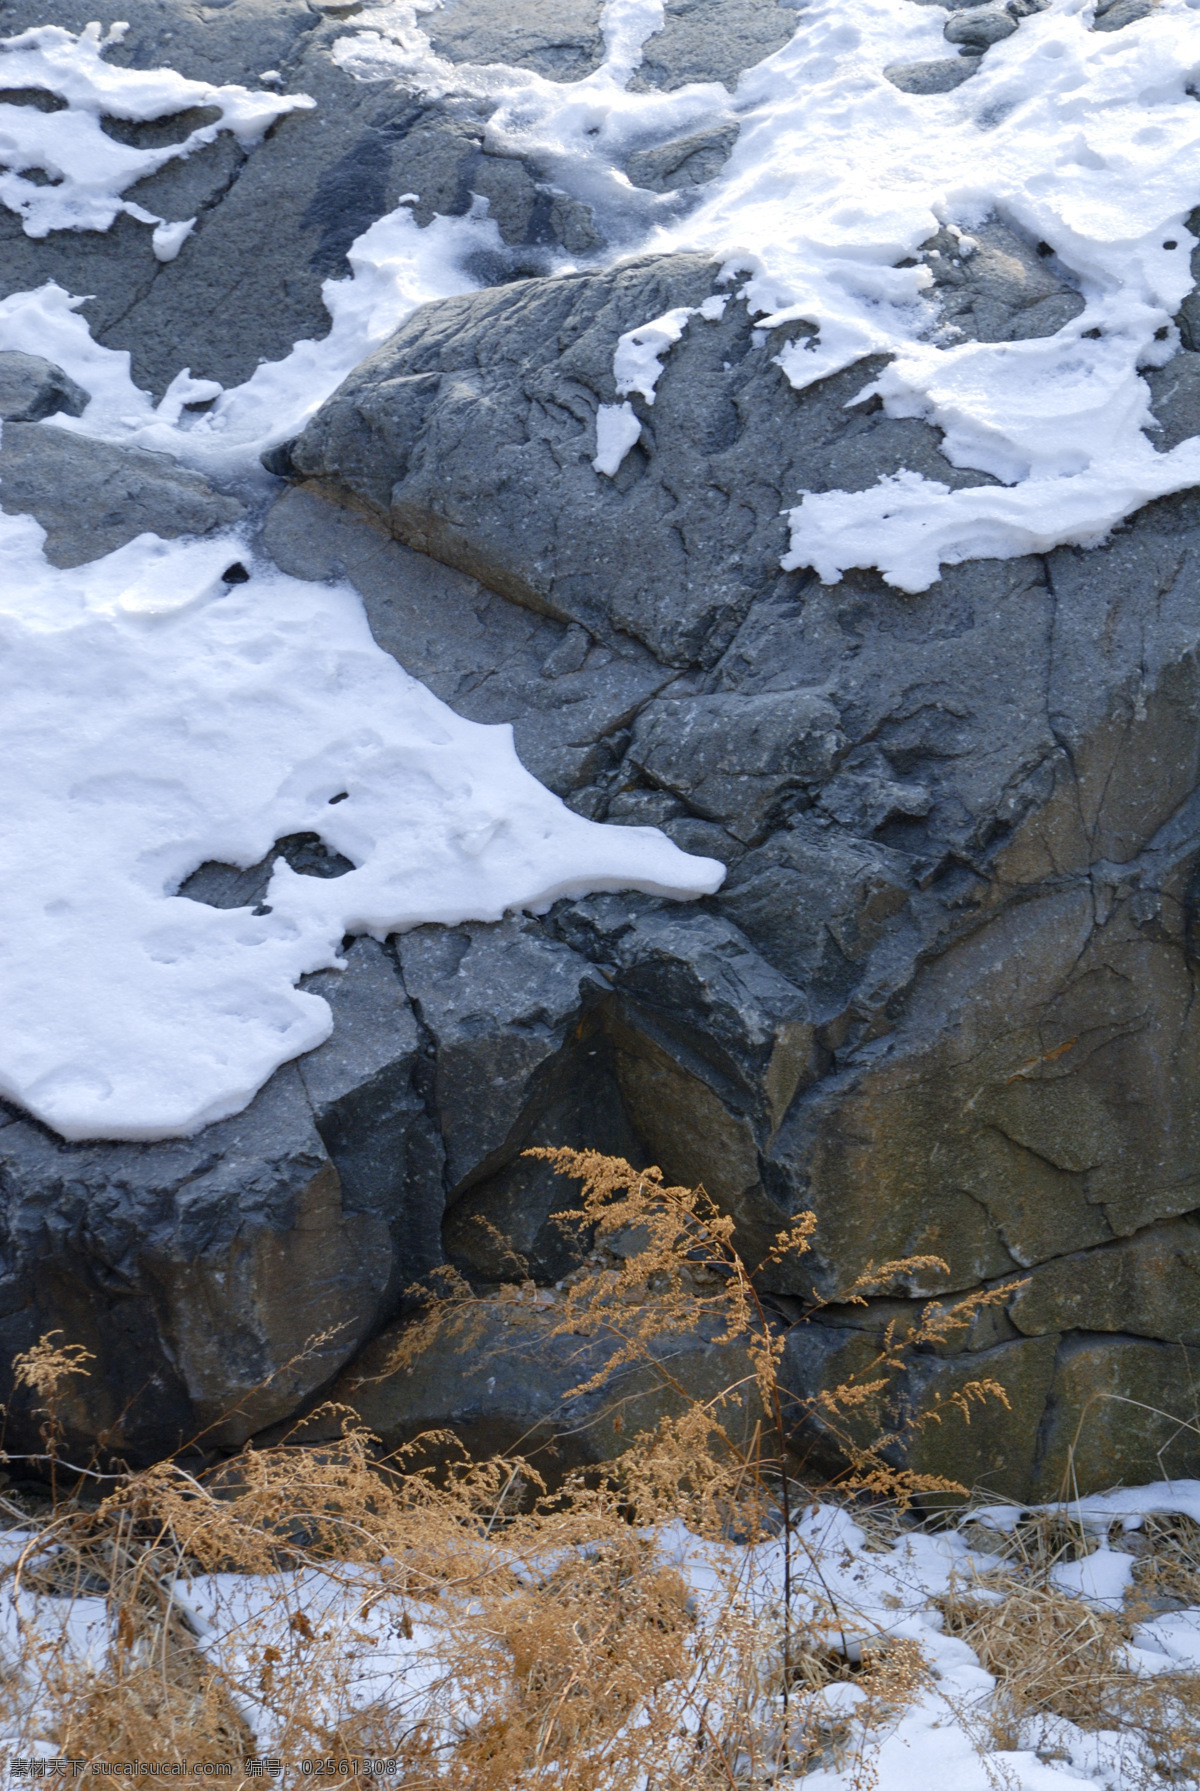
[(92, 496), (945, 998)]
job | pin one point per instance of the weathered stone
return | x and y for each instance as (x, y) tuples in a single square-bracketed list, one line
[(500, 1383), (238, 294), (1121, 1412), (1175, 400), (32, 388), (684, 161), (198, 1271), (992, 1451), (368, 1090), (471, 435), (91, 496), (981, 26), (996, 287), (815, 902), (499, 1002), (712, 40), (568, 698), (1146, 1286), (942, 76), (737, 758), (945, 998), (557, 38), (1119, 13), (177, 1266), (507, 1226)]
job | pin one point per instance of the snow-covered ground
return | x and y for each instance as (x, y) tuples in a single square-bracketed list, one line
[(391, 1651)]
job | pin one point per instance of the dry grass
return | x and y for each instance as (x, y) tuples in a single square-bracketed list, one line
[(1061, 1658), (527, 1636)]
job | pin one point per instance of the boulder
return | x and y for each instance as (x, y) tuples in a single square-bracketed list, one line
[(495, 1378), (471, 435), (92, 496), (218, 1280), (32, 388), (961, 828)]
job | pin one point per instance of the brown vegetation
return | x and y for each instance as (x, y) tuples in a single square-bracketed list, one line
[(537, 1635)]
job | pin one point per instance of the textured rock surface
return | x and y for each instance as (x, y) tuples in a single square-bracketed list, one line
[(501, 1383), (32, 388), (92, 496), (199, 1272), (946, 996), (472, 433)]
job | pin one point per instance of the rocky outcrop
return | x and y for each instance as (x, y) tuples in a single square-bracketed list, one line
[(92, 497), (945, 998)]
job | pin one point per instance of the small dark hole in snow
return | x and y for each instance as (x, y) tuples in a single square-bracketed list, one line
[(235, 574), (1171, 245), (1044, 249), (340, 797), (1091, 335), (1161, 333), (229, 886)]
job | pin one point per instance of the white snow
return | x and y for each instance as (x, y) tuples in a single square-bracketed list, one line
[(392, 1649), (617, 429), (1086, 141), (152, 718), (86, 171)]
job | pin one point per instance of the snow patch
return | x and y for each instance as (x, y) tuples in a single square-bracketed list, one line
[(1085, 141), (84, 170), (153, 717)]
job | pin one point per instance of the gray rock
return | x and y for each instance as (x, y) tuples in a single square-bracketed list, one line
[(238, 294), (500, 1002), (557, 38), (471, 435), (683, 161), (995, 1453), (200, 1271), (981, 26), (1003, 290), (500, 1384), (92, 496), (945, 998), (1121, 1411), (1175, 400), (569, 699), (942, 76), (177, 1266), (32, 388), (712, 40), (1147, 1286), (1118, 13), (739, 758)]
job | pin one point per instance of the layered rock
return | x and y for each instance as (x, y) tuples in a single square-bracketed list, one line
[(945, 997)]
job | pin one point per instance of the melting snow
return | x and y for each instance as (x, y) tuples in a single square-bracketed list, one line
[(1086, 141)]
